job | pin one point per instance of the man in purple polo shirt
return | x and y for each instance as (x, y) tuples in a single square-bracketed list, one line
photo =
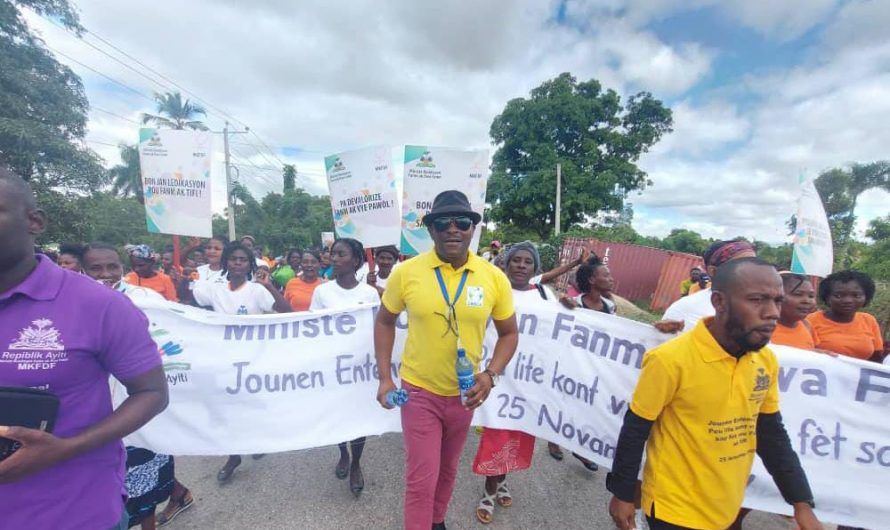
[(73, 333)]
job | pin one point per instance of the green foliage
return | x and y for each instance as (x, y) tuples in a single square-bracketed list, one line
[(874, 259), (290, 177), (126, 177), (688, 241), (880, 307), (280, 221), (779, 256), (174, 113), (586, 130), (43, 108)]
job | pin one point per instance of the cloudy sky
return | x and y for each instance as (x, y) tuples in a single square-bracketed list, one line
[(761, 90)]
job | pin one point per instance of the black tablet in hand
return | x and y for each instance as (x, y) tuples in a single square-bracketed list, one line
[(26, 407)]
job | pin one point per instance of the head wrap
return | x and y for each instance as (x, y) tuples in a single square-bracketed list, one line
[(527, 246), (141, 251), (723, 251)]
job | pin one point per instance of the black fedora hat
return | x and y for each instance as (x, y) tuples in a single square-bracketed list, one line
[(451, 202)]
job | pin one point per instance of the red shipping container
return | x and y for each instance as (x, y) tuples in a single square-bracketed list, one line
[(641, 273)]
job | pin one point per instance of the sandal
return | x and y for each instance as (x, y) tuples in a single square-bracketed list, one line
[(555, 451), (587, 463), (503, 494), (356, 481), (175, 507), (226, 472), (485, 510)]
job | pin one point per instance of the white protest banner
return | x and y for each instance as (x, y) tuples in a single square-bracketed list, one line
[(256, 384), (430, 171), (364, 200), (813, 252), (175, 167)]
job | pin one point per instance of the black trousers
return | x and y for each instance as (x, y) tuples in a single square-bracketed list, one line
[(658, 524)]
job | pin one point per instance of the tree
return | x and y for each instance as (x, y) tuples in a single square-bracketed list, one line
[(290, 177), (587, 131), (43, 107), (688, 241), (173, 113), (126, 177), (874, 259)]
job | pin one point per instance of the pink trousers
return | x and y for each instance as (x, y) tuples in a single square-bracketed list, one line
[(435, 429)]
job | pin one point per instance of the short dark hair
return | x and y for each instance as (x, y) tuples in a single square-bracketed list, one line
[(227, 252), (73, 249), (98, 245), (792, 281), (316, 253), (19, 185), (585, 272), (389, 249), (864, 281), (293, 251), (355, 247), (728, 272)]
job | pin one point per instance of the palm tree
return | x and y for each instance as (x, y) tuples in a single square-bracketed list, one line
[(126, 176), (176, 114)]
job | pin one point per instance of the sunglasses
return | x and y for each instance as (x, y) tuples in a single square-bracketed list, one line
[(462, 222)]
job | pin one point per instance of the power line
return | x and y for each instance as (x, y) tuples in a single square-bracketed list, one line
[(115, 81), (93, 107)]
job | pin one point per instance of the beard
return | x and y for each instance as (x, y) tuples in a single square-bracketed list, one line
[(741, 336)]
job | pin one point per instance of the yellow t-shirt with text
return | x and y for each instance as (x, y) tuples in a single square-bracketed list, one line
[(430, 349), (705, 405)]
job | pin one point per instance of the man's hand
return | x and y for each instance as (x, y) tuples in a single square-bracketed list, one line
[(477, 395), (805, 518), (568, 303), (669, 326), (39, 451), (385, 387), (262, 278), (623, 514), (372, 278)]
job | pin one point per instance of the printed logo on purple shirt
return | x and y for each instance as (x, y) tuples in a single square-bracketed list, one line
[(39, 347)]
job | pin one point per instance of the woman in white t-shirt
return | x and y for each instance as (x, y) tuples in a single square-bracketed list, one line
[(213, 252), (347, 256), (239, 296)]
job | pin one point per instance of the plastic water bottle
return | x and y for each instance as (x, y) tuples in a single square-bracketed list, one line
[(465, 378), (397, 398)]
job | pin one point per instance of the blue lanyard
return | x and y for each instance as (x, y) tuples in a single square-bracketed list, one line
[(460, 287)]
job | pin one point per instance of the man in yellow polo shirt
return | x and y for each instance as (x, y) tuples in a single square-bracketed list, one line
[(449, 294), (706, 401)]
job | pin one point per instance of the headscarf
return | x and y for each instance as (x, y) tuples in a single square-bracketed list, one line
[(527, 246), (723, 251), (141, 251)]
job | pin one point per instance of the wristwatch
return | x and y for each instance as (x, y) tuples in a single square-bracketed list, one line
[(494, 377)]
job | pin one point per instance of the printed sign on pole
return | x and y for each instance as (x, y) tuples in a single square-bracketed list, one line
[(175, 167), (430, 171), (364, 200)]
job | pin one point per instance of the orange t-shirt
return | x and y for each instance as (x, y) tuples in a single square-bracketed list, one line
[(160, 283), (802, 336), (696, 287), (299, 293), (860, 338)]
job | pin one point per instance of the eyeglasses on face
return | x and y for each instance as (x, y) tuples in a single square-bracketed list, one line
[(462, 222)]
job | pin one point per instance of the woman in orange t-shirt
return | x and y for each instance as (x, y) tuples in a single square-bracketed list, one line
[(792, 329), (298, 291), (143, 261), (843, 328)]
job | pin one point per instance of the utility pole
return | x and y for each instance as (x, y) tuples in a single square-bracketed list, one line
[(230, 199), (558, 194)]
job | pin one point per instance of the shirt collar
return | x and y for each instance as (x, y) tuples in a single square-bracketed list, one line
[(471, 264), (708, 347), (44, 282)]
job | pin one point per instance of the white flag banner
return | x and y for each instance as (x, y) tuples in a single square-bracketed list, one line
[(175, 167), (262, 384), (813, 252), (364, 200), (428, 172)]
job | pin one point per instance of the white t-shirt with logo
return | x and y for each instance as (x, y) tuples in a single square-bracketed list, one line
[(330, 295), (249, 299), (205, 273)]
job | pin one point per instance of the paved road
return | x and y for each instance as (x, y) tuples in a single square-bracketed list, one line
[(299, 491)]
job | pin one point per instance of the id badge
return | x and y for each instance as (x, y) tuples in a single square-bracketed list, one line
[(475, 296)]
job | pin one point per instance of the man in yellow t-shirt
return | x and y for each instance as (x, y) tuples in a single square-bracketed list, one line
[(706, 401), (449, 294)]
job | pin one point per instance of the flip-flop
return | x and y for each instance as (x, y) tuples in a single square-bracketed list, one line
[(227, 470), (587, 463), (555, 452), (485, 509)]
